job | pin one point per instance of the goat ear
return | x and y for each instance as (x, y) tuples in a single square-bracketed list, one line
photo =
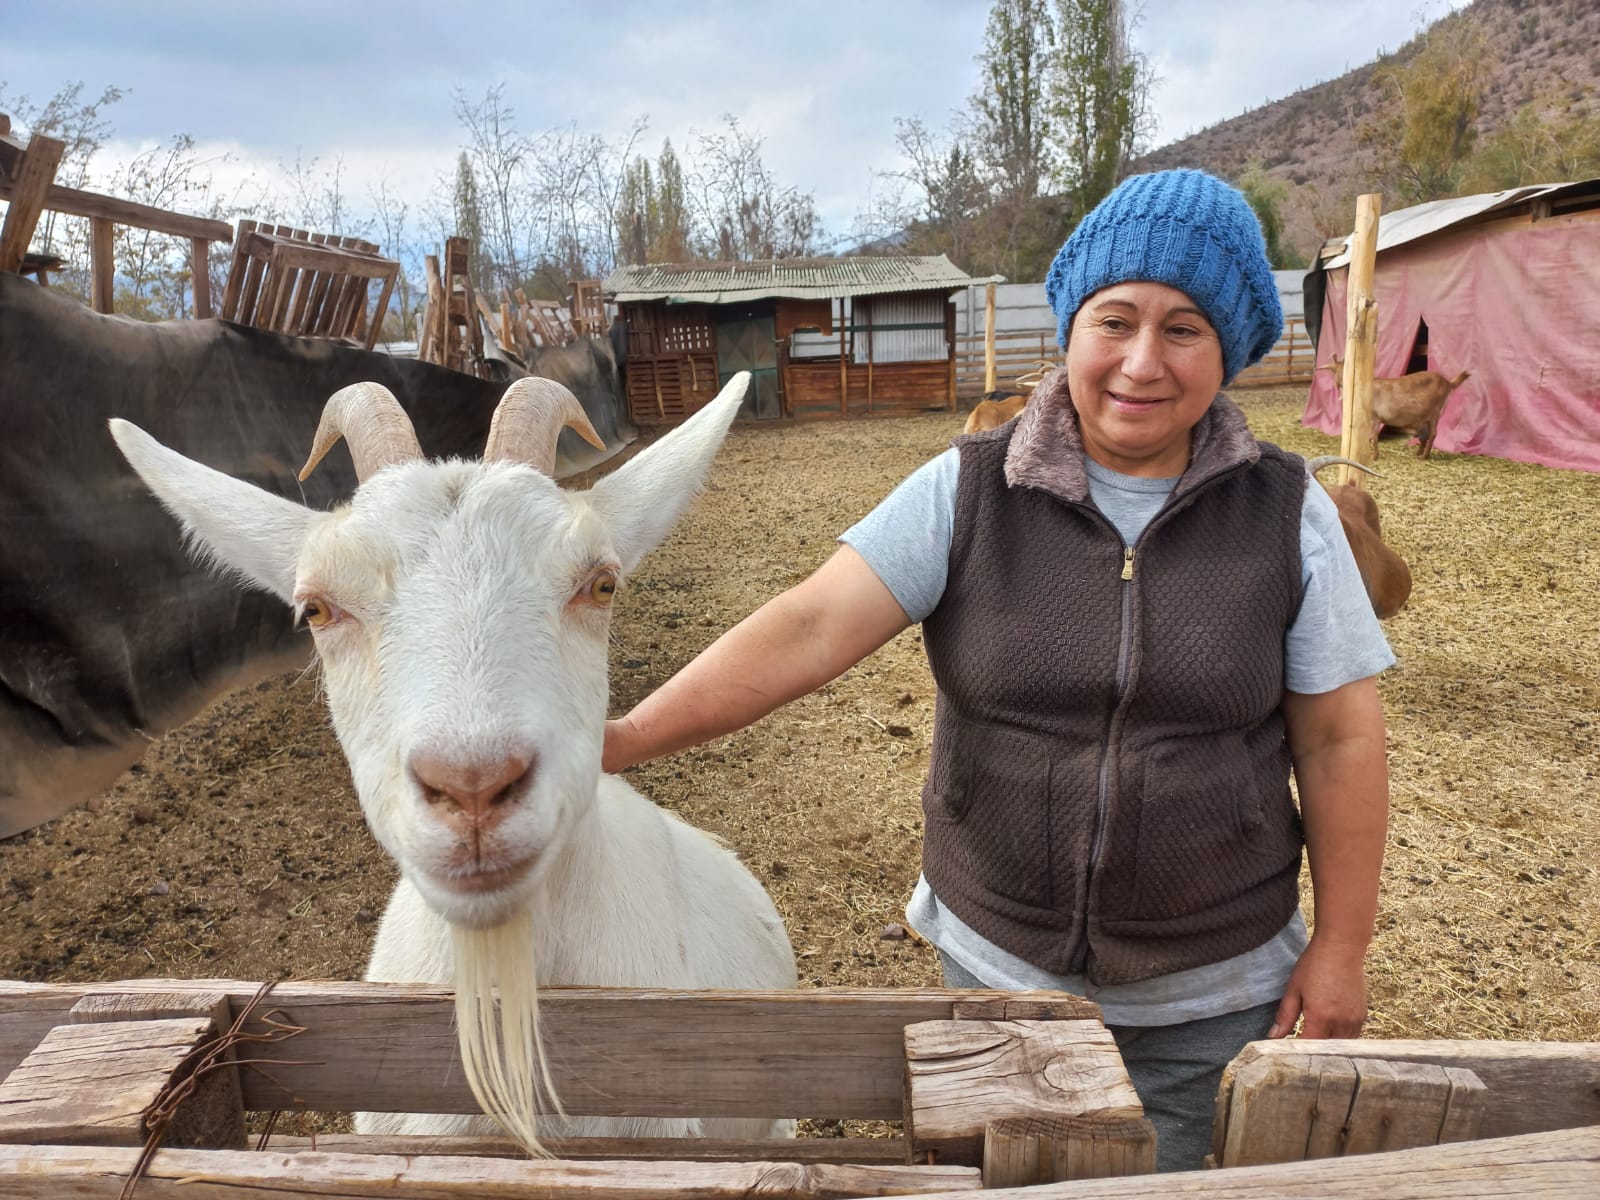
[(642, 500), (229, 523)]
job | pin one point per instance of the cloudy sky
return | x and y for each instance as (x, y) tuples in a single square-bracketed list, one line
[(369, 86)]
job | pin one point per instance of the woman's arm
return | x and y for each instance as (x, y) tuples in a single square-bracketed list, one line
[(788, 647), (1341, 773)]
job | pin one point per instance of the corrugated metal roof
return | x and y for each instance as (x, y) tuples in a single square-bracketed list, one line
[(1421, 220), (790, 278)]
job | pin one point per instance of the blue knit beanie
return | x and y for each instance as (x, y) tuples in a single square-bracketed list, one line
[(1188, 230)]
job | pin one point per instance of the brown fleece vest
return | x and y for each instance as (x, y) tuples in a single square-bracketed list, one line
[(1109, 786)]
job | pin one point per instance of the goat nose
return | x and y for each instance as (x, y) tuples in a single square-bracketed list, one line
[(481, 789)]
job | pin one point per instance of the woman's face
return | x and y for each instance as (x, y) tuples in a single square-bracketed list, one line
[(1143, 365)]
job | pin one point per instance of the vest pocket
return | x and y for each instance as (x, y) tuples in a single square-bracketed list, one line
[(1208, 832), (987, 805)]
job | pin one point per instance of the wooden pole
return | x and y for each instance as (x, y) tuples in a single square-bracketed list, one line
[(844, 383), (1361, 341), (869, 361), (200, 276), (988, 338), (102, 264)]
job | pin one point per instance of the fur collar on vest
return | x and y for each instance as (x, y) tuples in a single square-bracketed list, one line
[(1046, 450)]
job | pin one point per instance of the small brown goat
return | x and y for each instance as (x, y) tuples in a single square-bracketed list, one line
[(1385, 574), (1411, 403), (994, 410)]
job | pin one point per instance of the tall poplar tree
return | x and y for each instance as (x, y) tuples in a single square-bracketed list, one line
[(1011, 118), (1099, 99)]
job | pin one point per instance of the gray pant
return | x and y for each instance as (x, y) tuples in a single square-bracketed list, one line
[(1175, 1069)]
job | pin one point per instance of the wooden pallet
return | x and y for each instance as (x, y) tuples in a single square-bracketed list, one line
[(87, 1068), (307, 284)]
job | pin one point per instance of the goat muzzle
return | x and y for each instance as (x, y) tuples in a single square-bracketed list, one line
[(529, 418), (371, 420)]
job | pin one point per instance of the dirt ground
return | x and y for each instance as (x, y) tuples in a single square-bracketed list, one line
[(236, 849)]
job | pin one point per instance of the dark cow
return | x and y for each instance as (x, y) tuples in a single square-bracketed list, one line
[(109, 632)]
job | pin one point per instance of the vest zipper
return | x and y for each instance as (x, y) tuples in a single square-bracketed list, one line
[(1102, 801)]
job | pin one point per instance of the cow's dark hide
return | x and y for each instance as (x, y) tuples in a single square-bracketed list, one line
[(109, 632)]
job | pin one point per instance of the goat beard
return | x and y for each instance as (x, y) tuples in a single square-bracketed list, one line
[(501, 1052)]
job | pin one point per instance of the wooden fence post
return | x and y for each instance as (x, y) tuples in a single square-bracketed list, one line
[(988, 338), (1361, 341)]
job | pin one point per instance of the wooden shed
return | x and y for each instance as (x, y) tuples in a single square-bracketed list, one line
[(821, 337)]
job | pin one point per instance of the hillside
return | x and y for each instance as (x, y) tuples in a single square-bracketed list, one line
[(1538, 48)]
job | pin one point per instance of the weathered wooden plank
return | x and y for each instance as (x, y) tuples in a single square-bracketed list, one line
[(60, 1172), (102, 265), (96, 1084), (1529, 1086), (1563, 1163), (804, 1149), (1020, 1151), (28, 192), (76, 203), (1287, 1107), (1270, 1110), (960, 1075), (1397, 1105), (1336, 1090), (614, 1052)]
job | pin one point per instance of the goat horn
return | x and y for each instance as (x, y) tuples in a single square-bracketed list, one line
[(1327, 460), (528, 419), (368, 417)]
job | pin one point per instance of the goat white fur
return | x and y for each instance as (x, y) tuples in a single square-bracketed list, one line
[(460, 612)]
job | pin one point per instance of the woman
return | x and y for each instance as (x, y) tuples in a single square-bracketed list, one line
[(1139, 619)]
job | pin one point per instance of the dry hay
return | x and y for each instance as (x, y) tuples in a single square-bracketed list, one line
[(236, 850)]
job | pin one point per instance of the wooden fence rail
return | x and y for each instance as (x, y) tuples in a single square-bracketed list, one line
[(27, 172), (1019, 351)]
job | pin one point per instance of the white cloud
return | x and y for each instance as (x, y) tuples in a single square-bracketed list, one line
[(370, 84)]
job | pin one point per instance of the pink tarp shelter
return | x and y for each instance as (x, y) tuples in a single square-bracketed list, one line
[(1508, 287)]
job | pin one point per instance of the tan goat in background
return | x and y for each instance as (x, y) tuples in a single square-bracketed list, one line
[(1411, 403)]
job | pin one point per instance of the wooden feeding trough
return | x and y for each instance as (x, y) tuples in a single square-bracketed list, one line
[(1032, 1081)]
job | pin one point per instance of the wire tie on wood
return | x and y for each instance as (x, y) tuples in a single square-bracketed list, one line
[(207, 1058)]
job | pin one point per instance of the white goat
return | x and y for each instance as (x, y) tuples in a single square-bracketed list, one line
[(460, 612)]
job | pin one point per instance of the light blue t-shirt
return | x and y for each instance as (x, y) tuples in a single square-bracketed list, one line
[(1335, 639)]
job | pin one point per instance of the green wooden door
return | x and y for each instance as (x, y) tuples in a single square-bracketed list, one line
[(750, 344)]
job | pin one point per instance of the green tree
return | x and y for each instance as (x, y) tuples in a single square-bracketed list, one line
[(1099, 99), (635, 200), (1423, 134), (671, 228), (1547, 141), (1267, 195), (652, 216), (1011, 121)]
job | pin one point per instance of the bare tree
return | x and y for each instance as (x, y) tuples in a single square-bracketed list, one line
[(740, 210), (155, 271), (319, 201), (84, 129), (499, 158), (394, 236)]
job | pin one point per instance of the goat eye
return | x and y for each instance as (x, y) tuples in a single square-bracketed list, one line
[(318, 613), (602, 587)]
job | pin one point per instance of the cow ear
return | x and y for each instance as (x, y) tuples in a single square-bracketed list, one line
[(230, 524), (641, 500)]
